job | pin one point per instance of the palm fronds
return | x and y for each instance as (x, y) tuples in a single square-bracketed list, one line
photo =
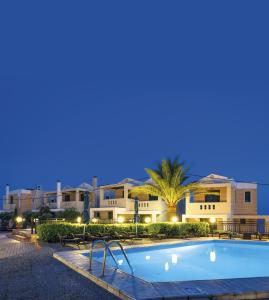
[(168, 182)]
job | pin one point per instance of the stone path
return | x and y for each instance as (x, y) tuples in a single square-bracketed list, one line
[(28, 271)]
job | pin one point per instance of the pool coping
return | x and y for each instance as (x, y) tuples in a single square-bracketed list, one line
[(126, 286)]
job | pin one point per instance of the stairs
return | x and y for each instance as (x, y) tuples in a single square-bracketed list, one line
[(22, 235)]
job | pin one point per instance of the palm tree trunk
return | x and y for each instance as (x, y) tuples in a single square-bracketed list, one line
[(171, 212)]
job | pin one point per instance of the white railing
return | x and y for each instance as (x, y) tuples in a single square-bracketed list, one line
[(208, 208)]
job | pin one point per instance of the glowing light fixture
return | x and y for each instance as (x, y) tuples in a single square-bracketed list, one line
[(94, 220), (212, 220), (79, 220), (147, 257), (120, 219), (174, 219), (120, 262), (19, 219), (147, 220)]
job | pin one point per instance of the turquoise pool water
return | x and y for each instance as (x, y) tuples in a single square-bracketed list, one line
[(195, 261)]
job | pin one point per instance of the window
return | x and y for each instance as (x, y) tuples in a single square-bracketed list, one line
[(110, 215), (213, 206), (97, 214), (11, 199), (247, 197), (214, 197), (201, 206), (81, 198), (152, 198), (67, 198), (205, 206), (242, 221), (209, 206)]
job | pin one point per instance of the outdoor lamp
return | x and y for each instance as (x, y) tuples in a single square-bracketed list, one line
[(79, 220), (174, 219), (19, 219), (94, 220), (212, 220), (147, 220), (120, 219)]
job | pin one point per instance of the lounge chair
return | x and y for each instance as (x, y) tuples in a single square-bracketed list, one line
[(69, 239), (263, 235), (160, 236), (145, 234)]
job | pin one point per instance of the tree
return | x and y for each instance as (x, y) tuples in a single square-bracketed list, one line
[(168, 181)]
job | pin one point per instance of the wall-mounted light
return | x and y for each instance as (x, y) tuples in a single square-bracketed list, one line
[(174, 219), (147, 220), (120, 219)]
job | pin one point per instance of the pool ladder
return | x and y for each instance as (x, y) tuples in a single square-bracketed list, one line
[(107, 246)]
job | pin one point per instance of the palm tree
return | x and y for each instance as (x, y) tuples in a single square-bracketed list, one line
[(168, 181)]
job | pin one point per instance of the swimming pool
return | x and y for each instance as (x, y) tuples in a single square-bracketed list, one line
[(195, 261)]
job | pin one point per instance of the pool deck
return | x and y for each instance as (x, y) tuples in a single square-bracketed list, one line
[(126, 286)]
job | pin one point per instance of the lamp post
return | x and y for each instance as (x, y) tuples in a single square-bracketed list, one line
[(136, 213)]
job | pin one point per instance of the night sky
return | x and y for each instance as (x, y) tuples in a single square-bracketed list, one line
[(109, 88)]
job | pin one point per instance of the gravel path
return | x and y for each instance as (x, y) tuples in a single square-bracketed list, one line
[(28, 271)]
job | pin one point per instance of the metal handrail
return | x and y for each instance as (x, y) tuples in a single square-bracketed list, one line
[(122, 250), (107, 248)]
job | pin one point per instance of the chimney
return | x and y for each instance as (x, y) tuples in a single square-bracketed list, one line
[(59, 194), (7, 192), (95, 191)]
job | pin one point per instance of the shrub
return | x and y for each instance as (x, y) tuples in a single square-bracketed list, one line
[(4, 219), (49, 232), (180, 229)]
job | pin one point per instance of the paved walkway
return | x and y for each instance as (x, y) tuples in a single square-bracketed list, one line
[(28, 271)]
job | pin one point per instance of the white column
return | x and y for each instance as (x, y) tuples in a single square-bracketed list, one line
[(95, 192), (77, 196), (125, 192), (154, 218), (59, 194), (7, 194)]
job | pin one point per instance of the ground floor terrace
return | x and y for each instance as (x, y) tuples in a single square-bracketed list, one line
[(122, 215)]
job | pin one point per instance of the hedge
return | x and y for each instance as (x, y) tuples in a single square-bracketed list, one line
[(49, 232)]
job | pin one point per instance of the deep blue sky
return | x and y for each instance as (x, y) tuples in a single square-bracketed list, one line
[(108, 88)]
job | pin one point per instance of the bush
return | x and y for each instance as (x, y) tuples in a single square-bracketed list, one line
[(49, 232), (180, 229), (4, 219)]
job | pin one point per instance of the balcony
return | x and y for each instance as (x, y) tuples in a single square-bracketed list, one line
[(118, 202), (156, 205), (9, 206), (208, 208)]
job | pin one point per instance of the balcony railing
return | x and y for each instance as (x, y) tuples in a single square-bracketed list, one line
[(195, 208), (9, 206), (156, 205)]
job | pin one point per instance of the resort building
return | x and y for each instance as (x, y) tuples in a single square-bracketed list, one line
[(23, 199), (117, 204), (223, 199), (70, 197)]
